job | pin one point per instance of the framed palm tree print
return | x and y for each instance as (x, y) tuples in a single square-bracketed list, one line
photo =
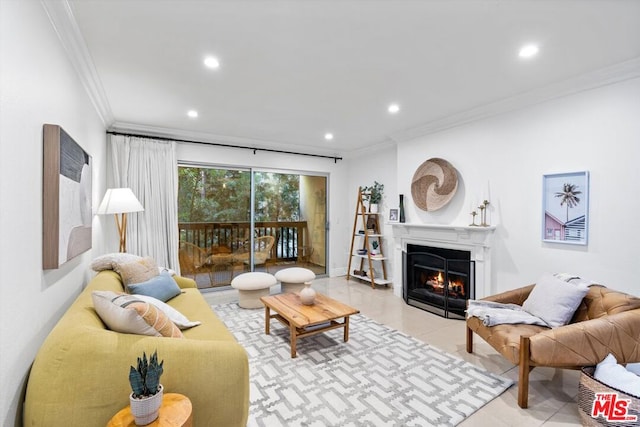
[(565, 201)]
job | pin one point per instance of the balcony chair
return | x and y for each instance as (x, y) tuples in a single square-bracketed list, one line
[(304, 255), (222, 264), (261, 252), (194, 261)]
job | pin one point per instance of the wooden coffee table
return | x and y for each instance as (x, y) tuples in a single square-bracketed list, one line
[(306, 320)]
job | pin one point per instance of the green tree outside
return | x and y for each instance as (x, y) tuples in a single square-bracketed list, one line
[(223, 195)]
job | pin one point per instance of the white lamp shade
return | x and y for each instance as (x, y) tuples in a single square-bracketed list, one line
[(119, 200)]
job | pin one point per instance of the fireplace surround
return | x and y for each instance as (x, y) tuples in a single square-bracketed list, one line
[(477, 241)]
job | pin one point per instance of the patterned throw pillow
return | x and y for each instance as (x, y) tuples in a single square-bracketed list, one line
[(137, 271), (179, 319), (156, 319), (128, 314)]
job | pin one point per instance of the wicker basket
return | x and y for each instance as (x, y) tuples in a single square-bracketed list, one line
[(588, 387)]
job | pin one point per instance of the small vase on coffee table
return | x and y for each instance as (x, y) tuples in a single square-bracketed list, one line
[(307, 294)]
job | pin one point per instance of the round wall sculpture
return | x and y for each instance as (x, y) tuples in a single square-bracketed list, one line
[(434, 184)]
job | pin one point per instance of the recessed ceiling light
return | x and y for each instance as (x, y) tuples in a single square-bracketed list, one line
[(328, 136), (393, 108), (192, 113), (211, 62), (528, 51)]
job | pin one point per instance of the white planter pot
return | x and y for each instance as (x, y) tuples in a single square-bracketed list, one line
[(373, 208), (147, 409)]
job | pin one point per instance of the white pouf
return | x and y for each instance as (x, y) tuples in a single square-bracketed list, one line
[(293, 279), (252, 286)]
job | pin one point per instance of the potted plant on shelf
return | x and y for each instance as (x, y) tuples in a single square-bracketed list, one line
[(374, 195), (146, 396), (374, 245)]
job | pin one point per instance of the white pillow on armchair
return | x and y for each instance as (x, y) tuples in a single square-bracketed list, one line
[(554, 300)]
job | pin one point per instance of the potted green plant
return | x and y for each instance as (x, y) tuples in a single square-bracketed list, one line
[(374, 195), (374, 245), (147, 392)]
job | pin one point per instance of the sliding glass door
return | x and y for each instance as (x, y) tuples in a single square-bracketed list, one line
[(237, 220)]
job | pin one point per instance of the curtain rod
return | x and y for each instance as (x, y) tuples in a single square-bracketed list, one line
[(218, 144)]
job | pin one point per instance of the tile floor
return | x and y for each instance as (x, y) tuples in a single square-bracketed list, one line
[(552, 392)]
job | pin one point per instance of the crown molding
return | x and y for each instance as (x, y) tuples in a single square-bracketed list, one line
[(66, 27), (182, 134), (386, 144), (602, 77)]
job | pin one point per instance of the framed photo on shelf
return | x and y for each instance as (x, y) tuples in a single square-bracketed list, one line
[(565, 208), (394, 215)]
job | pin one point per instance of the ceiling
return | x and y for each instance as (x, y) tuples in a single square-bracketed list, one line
[(292, 71)]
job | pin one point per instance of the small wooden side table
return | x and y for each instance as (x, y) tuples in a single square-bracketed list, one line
[(174, 412)]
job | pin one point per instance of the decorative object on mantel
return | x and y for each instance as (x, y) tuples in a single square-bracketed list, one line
[(402, 219), (434, 184), (473, 217), (393, 215), (483, 215)]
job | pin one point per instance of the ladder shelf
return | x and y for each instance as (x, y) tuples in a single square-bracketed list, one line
[(366, 237)]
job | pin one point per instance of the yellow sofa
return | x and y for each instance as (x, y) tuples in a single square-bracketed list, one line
[(80, 376)]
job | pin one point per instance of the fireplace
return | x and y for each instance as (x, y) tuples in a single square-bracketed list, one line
[(439, 280), (478, 241)]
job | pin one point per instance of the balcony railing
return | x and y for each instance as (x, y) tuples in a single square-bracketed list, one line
[(290, 236)]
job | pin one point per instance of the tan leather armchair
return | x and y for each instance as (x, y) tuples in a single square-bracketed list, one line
[(606, 321)]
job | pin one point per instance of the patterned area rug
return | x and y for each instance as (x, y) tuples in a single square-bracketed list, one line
[(380, 377)]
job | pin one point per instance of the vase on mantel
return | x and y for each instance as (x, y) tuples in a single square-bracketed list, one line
[(402, 208), (307, 294)]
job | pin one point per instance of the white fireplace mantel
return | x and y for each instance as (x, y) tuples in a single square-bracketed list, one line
[(475, 239)]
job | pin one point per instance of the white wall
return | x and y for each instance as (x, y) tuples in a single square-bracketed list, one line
[(38, 85), (379, 165), (336, 172), (505, 157)]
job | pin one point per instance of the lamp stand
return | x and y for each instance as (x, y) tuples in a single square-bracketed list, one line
[(122, 231)]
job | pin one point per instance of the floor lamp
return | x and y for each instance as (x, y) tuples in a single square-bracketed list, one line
[(120, 201)]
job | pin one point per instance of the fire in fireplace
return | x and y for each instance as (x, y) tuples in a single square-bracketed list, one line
[(438, 280)]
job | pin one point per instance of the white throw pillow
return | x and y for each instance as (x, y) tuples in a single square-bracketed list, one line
[(166, 270), (179, 319), (614, 375), (554, 300)]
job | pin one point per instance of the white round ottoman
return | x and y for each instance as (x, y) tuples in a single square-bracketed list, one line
[(252, 286), (293, 279)]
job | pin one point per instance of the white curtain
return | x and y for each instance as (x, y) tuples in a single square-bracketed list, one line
[(150, 168)]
